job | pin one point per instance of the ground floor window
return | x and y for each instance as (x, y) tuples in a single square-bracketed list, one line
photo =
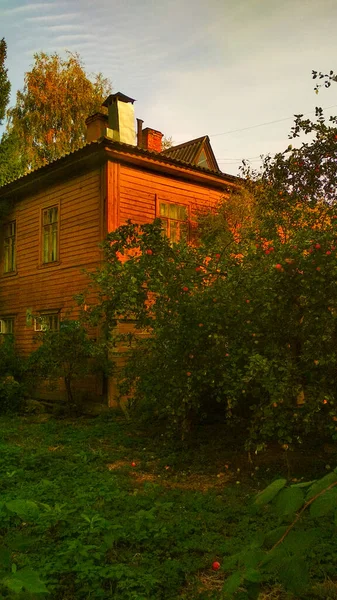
[(6, 325), (47, 322)]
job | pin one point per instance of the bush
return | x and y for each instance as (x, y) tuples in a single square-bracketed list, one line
[(244, 323), (13, 377), (69, 354)]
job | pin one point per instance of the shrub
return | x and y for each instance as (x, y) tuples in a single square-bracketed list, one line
[(69, 354), (244, 323), (13, 377)]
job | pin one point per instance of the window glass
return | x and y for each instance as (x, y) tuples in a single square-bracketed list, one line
[(10, 247), (6, 325), (47, 321), (174, 219), (50, 234)]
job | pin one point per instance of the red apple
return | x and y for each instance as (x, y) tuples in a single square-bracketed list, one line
[(317, 246), (133, 464), (278, 267), (149, 251), (216, 566)]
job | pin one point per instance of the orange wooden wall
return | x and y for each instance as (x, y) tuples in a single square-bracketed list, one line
[(51, 286), (133, 194)]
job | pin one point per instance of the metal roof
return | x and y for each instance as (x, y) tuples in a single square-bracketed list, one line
[(190, 151), (95, 146)]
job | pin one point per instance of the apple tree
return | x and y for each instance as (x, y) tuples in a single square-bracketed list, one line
[(243, 323)]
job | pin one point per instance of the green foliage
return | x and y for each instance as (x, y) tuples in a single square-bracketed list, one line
[(14, 377), (5, 86), (270, 492), (283, 553), (24, 580), (12, 162), (82, 530), (70, 354), (243, 325), (48, 119)]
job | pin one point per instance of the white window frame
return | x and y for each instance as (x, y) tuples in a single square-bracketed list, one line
[(43, 321)]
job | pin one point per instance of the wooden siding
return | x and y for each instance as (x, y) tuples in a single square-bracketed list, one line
[(36, 286), (138, 190)]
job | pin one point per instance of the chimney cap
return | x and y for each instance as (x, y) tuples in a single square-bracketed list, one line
[(119, 96)]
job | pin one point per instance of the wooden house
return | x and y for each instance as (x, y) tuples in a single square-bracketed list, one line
[(61, 212)]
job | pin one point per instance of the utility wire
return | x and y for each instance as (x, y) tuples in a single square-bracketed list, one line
[(267, 123)]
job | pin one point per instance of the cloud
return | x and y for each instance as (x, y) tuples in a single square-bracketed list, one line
[(64, 27), (55, 17), (25, 8), (75, 36)]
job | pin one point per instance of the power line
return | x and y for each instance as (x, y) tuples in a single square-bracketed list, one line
[(236, 159), (266, 123)]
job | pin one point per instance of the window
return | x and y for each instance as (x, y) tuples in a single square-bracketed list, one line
[(6, 325), (10, 247), (50, 234), (47, 321), (174, 219)]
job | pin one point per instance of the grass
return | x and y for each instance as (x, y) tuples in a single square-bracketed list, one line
[(109, 511)]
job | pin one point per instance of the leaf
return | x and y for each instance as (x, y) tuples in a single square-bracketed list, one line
[(25, 509), (320, 485), (272, 537), (253, 575), (325, 504), (270, 492), (233, 583), (294, 575), (232, 561), (25, 579), (252, 557), (303, 484), (289, 501), (5, 557), (298, 542)]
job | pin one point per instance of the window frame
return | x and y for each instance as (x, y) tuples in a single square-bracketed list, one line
[(162, 200), (40, 327), (3, 320), (11, 260), (43, 226)]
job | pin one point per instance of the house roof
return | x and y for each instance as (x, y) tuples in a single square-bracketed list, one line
[(122, 149), (197, 152)]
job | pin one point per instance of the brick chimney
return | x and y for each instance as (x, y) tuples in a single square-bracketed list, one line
[(151, 139), (96, 126)]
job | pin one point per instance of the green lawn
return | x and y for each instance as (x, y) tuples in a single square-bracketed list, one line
[(95, 508)]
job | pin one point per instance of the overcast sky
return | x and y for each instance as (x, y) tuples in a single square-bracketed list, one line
[(195, 67)]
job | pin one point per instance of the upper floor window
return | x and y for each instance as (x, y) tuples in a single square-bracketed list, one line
[(6, 325), (10, 247), (174, 218), (50, 234)]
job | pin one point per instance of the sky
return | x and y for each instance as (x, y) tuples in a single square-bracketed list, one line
[(236, 70)]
